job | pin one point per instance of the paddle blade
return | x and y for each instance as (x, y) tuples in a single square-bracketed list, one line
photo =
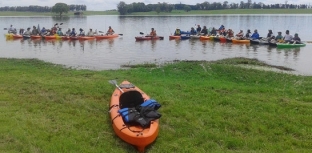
[(120, 34), (61, 23), (161, 38), (5, 28), (141, 33), (101, 32), (113, 82)]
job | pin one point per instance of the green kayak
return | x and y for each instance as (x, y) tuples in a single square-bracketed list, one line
[(289, 45)]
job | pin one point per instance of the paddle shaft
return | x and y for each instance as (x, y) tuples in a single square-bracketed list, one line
[(114, 82), (119, 88)]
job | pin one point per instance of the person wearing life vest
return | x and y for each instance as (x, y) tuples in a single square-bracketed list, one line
[(12, 30), (240, 35), (153, 32), (230, 33), (255, 35), (82, 33), (177, 32), (193, 31), (288, 37), (90, 33), (198, 29), (110, 31), (73, 32)]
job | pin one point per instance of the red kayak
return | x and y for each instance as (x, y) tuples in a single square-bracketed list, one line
[(149, 38)]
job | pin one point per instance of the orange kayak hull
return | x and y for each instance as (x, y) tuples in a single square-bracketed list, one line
[(134, 135), (174, 37), (17, 36), (65, 37), (86, 38), (240, 41), (106, 36), (49, 37), (73, 38), (35, 37), (204, 38)]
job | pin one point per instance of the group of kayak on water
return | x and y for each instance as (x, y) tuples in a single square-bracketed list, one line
[(222, 32), (57, 30)]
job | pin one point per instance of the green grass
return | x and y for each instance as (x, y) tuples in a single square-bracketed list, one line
[(174, 12), (206, 107)]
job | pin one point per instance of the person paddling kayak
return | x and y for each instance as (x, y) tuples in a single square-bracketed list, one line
[(110, 31), (27, 33), (255, 35), (12, 30), (153, 33), (90, 33)]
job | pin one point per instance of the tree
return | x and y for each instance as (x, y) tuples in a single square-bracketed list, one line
[(225, 4), (158, 10), (249, 2), (187, 8), (60, 8), (122, 8)]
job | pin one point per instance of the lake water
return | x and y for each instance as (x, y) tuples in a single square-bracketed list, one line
[(124, 50)]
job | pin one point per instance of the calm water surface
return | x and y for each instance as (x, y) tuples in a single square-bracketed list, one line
[(112, 53)]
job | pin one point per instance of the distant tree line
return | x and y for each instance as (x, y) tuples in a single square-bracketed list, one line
[(35, 8), (124, 8)]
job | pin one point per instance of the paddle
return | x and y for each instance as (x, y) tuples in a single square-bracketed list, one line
[(160, 37), (114, 82)]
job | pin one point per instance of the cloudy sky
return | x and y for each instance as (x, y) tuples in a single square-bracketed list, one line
[(100, 5)]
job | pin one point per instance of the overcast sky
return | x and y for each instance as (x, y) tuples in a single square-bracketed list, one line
[(100, 5)]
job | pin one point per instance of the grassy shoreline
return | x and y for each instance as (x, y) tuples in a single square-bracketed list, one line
[(174, 12), (206, 107)]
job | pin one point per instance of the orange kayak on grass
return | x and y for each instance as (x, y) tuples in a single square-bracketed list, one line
[(35, 37), (85, 38), (106, 36), (133, 134)]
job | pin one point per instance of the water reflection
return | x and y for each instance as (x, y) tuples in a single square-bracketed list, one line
[(289, 52), (110, 42), (147, 42)]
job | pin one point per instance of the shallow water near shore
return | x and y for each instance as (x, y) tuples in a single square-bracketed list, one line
[(124, 50)]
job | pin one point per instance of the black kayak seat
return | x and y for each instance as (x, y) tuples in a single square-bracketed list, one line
[(130, 99)]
